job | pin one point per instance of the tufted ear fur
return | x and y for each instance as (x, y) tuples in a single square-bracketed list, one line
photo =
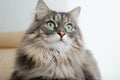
[(41, 10), (75, 13)]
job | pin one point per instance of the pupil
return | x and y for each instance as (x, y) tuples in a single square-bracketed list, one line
[(69, 27), (50, 24)]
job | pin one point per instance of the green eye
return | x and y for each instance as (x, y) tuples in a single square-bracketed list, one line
[(51, 25), (68, 27)]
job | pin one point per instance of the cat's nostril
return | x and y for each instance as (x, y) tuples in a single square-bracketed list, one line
[(61, 33)]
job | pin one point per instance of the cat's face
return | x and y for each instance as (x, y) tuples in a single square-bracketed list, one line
[(54, 30), (58, 30)]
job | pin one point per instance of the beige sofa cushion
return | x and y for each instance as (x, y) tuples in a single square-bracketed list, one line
[(7, 59)]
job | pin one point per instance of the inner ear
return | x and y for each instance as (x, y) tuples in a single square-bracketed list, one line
[(75, 13), (42, 10)]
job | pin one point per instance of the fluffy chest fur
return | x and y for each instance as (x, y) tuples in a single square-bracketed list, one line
[(54, 63)]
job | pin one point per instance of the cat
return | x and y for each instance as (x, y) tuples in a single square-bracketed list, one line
[(53, 49)]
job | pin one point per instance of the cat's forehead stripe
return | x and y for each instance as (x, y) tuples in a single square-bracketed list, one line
[(51, 18), (57, 17), (65, 18), (60, 17)]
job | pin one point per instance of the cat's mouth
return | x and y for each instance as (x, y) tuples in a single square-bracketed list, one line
[(56, 42), (61, 40), (56, 39)]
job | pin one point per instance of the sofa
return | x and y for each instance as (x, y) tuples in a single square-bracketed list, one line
[(8, 45)]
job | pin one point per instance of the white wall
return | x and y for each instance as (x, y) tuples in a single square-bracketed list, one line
[(16, 14), (99, 22)]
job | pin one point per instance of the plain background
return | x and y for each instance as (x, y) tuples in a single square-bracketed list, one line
[(99, 21)]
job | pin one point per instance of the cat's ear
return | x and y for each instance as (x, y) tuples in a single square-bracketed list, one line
[(75, 13), (41, 10)]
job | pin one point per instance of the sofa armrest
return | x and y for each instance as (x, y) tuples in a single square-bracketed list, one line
[(10, 39)]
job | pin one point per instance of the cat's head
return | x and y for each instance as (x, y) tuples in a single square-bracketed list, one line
[(55, 30)]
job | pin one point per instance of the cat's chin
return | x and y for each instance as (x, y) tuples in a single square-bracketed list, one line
[(58, 45), (61, 44)]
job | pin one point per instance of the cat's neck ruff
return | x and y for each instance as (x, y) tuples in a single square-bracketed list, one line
[(63, 64)]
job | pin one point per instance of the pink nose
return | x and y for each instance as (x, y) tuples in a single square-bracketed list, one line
[(61, 33)]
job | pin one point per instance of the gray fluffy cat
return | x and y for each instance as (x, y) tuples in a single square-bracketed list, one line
[(52, 49)]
